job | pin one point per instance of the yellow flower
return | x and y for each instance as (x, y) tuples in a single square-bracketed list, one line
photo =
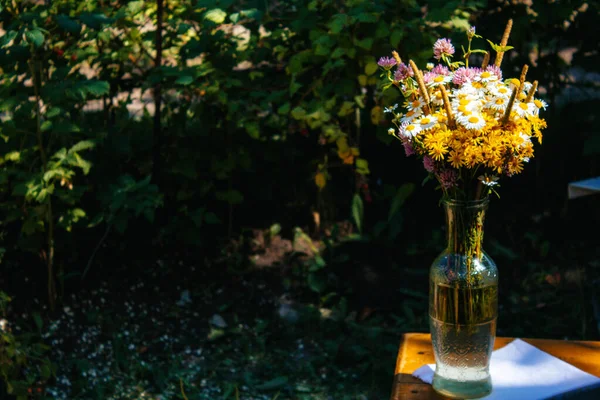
[(437, 151), (494, 146), (472, 156), (455, 159), (497, 165), (514, 166)]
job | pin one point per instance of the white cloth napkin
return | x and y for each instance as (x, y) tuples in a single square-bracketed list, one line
[(521, 371)]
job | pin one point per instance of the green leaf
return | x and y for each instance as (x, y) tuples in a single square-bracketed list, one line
[(359, 100), (65, 127), (67, 24), (35, 37), (346, 109), (83, 145), (371, 68), (401, 195), (298, 113), (95, 21), (358, 212), (215, 333), (235, 17), (14, 156), (294, 87), (216, 15), (97, 220), (253, 129), (367, 17), (498, 48), (396, 37), (45, 372), (317, 263), (275, 383), (366, 43), (7, 38), (230, 196), (95, 88), (316, 282), (211, 218), (338, 22), (184, 80), (85, 165), (274, 230), (41, 196), (48, 175), (362, 166), (46, 125), (53, 112), (338, 52), (284, 109), (38, 321), (296, 62), (135, 7)]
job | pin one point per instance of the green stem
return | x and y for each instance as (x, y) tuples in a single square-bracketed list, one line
[(468, 54)]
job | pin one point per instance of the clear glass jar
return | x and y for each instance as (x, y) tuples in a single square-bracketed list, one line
[(463, 305)]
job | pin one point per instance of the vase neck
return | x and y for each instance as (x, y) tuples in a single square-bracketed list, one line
[(464, 223)]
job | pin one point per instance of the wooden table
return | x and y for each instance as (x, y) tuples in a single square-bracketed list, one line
[(415, 351)]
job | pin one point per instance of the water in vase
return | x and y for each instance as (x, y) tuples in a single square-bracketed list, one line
[(463, 329)]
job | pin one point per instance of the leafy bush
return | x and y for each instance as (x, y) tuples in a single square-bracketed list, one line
[(23, 365), (237, 87)]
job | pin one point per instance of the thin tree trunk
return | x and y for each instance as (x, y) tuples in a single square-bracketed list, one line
[(36, 77), (158, 139)]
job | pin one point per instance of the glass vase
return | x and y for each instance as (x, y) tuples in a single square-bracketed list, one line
[(463, 305)]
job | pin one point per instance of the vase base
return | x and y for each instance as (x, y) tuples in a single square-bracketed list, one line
[(462, 390)]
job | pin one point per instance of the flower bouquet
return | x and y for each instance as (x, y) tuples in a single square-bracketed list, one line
[(471, 127), (468, 124)]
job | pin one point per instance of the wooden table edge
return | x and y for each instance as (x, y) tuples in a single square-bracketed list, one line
[(404, 377)]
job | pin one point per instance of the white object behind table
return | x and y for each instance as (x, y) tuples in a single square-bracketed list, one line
[(584, 187)]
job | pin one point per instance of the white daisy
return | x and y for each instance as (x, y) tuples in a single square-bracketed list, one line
[(489, 180), (411, 130), (415, 104), (497, 103), (524, 109), (472, 121), (390, 109), (439, 80), (437, 99), (499, 91), (467, 89), (467, 103), (485, 77), (465, 114), (540, 104), (427, 122), (411, 115)]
